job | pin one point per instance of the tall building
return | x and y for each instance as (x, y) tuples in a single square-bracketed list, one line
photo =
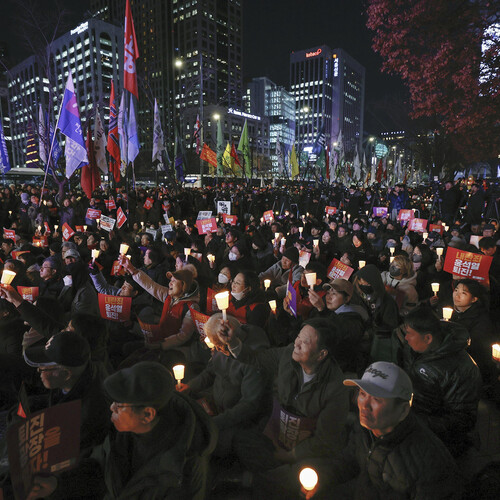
[(265, 98), (329, 89), (93, 52)]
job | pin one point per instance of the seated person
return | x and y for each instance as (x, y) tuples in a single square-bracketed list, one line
[(279, 273), (446, 381), (400, 281)]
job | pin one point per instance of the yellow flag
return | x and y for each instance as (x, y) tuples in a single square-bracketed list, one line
[(228, 161), (294, 163)]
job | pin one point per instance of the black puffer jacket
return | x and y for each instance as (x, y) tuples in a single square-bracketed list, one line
[(446, 384)]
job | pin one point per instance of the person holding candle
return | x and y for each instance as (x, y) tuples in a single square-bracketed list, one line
[(446, 380)]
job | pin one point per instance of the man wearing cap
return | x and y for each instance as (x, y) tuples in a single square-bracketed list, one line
[(160, 450), (390, 454)]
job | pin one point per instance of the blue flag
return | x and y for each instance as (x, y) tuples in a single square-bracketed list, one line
[(56, 148), (133, 138), (70, 125), (179, 169), (4, 157), (319, 143)]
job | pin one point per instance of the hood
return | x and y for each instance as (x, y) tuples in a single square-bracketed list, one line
[(371, 274), (389, 280), (456, 339), (353, 308)]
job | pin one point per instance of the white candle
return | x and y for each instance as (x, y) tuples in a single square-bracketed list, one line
[(391, 258), (439, 251), (495, 352), (55, 227), (267, 284), (187, 252), (211, 258), (7, 277), (283, 242), (435, 288), (178, 373), (276, 236), (123, 249), (209, 344), (311, 280), (308, 478), (447, 312), (300, 230), (425, 235), (222, 300), (185, 222), (315, 243), (362, 263), (85, 228), (95, 254), (446, 228), (272, 305), (392, 250)]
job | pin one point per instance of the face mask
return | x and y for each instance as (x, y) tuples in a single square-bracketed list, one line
[(416, 258), (238, 295), (366, 289), (222, 278), (68, 280), (394, 271), (233, 256)]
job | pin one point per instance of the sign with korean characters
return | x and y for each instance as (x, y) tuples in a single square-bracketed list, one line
[(29, 293), (152, 333), (114, 307), (229, 219), (338, 269), (67, 232), (107, 223), (224, 207), (9, 234), (148, 204), (379, 211), (200, 320), (291, 298), (268, 216), (331, 210), (418, 225), (436, 228), (202, 215), (206, 226), (93, 213), (467, 264), (405, 215), (121, 218), (46, 443), (110, 204)]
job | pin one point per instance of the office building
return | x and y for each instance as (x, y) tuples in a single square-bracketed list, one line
[(328, 87)]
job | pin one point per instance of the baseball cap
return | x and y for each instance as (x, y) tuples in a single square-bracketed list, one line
[(384, 380), (64, 348), (340, 285), (71, 253), (184, 275)]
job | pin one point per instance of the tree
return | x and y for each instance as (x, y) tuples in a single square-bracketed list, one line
[(435, 46)]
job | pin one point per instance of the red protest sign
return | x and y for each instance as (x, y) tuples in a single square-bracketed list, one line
[(331, 210), (199, 319), (29, 293), (16, 253), (45, 443), (418, 225), (93, 213), (338, 269), (268, 216), (121, 218), (110, 204), (67, 232), (148, 204), (9, 234), (211, 306), (206, 226), (436, 228), (79, 229), (152, 333), (47, 227), (114, 307), (229, 219), (117, 269), (467, 264), (405, 214), (380, 211)]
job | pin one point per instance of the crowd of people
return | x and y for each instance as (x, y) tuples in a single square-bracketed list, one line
[(332, 353)]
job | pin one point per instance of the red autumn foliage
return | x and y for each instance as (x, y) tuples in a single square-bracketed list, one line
[(435, 47)]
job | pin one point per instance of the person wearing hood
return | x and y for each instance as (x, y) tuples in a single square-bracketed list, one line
[(401, 281), (445, 379)]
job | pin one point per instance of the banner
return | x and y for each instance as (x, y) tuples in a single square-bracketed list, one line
[(199, 319), (338, 269), (121, 218), (229, 219), (152, 333), (148, 204), (46, 443), (405, 215), (331, 210), (107, 223), (110, 204), (380, 211), (117, 269), (224, 207), (166, 228), (268, 215), (206, 226), (29, 293), (67, 232), (114, 307), (93, 214), (468, 264), (418, 225), (9, 234), (204, 215), (291, 298), (436, 228)]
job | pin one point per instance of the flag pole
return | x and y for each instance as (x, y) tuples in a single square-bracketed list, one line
[(47, 166)]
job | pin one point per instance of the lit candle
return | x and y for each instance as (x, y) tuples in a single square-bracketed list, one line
[(185, 222), (392, 249), (315, 243), (187, 252), (425, 235), (7, 277), (311, 280), (435, 288), (267, 284), (283, 242), (85, 228), (300, 231), (362, 263), (97, 222), (178, 373), (367, 212), (308, 478), (272, 305), (446, 228), (495, 352), (95, 254), (123, 249), (276, 236), (55, 227), (447, 312), (209, 344), (348, 216), (439, 251), (222, 300), (262, 219), (391, 258), (211, 258)]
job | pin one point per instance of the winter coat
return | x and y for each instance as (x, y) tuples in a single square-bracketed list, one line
[(279, 276), (446, 384), (408, 288)]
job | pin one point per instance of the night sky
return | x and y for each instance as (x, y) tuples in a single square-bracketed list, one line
[(271, 30)]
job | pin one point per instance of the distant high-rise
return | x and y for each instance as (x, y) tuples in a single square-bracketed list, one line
[(93, 52), (329, 88)]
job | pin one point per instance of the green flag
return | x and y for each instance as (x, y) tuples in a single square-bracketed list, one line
[(244, 147), (220, 148), (321, 163)]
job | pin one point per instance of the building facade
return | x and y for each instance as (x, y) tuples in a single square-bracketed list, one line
[(328, 87)]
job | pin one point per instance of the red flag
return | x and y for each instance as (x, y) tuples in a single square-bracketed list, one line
[(234, 154), (113, 145), (90, 179), (208, 155), (131, 53)]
